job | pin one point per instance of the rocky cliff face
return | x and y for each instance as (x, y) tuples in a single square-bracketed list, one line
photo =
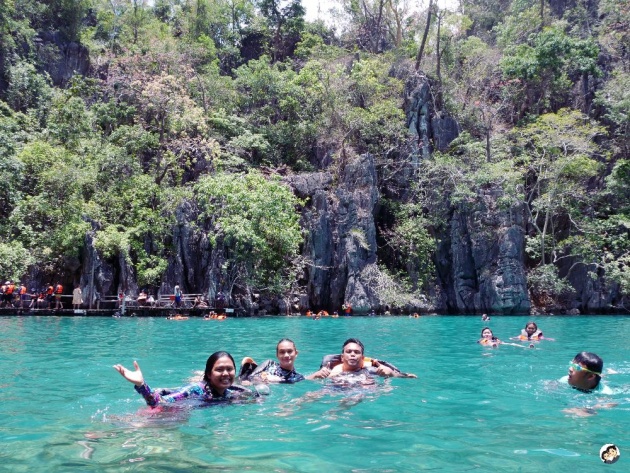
[(480, 261), (61, 59), (480, 258), (341, 234)]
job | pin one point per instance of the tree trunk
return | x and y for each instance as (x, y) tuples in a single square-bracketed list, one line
[(424, 36)]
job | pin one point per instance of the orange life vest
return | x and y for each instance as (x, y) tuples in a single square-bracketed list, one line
[(22, 290), (10, 289), (535, 336), (49, 290), (58, 289)]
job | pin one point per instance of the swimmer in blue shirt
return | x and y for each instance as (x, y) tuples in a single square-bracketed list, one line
[(217, 384)]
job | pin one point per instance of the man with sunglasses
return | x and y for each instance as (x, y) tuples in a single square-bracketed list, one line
[(585, 373)]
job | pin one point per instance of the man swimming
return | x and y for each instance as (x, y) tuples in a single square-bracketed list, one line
[(585, 373)]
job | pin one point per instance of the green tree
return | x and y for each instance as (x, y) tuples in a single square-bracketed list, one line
[(256, 220), (285, 20), (557, 154)]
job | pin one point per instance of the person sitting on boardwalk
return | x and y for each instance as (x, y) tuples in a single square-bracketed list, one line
[(42, 300), (200, 303), (353, 364), (217, 384), (142, 298)]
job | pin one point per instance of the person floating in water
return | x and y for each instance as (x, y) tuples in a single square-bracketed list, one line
[(217, 384), (488, 338), (530, 333), (272, 371), (355, 366), (485, 317)]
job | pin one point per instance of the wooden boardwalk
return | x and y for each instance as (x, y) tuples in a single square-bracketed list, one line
[(162, 312)]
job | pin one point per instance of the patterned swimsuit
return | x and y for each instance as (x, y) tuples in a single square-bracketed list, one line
[(191, 391), (272, 367)]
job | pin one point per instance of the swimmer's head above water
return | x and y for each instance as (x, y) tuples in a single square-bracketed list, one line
[(585, 371), (220, 372), (352, 354), (286, 353)]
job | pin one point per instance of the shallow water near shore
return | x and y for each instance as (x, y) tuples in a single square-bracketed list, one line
[(63, 407)]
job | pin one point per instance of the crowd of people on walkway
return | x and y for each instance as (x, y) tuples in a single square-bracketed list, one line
[(17, 295)]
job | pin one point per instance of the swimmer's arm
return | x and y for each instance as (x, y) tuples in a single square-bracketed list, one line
[(589, 411), (387, 372), (154, 397), (322, 373), (134, 377), (266, 378)]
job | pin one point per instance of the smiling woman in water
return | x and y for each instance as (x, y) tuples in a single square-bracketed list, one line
[(217, 383)]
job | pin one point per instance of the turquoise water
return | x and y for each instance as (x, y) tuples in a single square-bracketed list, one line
[(63, 407)]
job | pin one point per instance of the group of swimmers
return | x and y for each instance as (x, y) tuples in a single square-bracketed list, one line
[(351, 367), (585, 370), (531, 333)]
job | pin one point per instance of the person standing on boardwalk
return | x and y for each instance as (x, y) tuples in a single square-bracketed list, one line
[(7, 296), (58, 293), (23, 295), (77, 297), (49, 295), (178, 295)]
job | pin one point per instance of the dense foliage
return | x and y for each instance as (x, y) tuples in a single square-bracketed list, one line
[(182, 101)]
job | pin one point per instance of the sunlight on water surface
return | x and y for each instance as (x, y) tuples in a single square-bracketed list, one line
[(64, 408)]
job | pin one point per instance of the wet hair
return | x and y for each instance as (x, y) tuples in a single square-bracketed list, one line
[(353, 340), (593, 362), (285, 340), (212, 360), (531, 323), (487, 328)]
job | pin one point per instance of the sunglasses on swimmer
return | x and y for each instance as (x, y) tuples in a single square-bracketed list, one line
[(577, 367)]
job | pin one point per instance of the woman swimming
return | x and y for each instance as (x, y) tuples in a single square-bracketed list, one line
[(217, 384), (531, 332), (488, 338), (272, 371)]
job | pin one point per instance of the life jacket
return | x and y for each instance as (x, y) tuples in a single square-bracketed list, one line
[(485, 341), (22, 290), (10, 288), (58, 289), (537, 335), (49, 290)]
